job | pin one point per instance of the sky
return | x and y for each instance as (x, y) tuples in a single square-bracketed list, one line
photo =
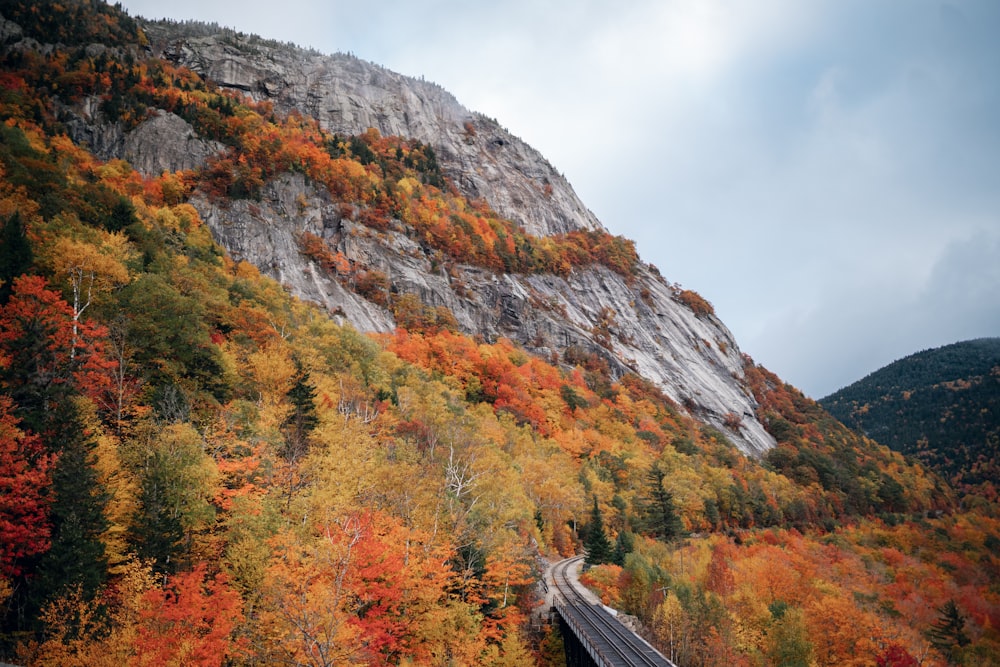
[(826, 173)]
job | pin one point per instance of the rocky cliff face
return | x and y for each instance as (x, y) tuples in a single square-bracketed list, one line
[(636, 325), (349, 95)]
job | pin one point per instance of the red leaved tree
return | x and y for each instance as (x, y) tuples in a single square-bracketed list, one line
[(50, 354), (24, 509)]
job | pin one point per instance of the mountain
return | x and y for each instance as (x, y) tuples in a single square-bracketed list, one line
[(941, 406), (631, 318), (302, 363)]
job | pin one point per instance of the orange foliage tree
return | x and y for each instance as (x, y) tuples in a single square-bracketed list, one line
[(189, 621)]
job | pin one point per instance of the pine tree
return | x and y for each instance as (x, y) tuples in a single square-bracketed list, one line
[(158, 533), (15, 254), (122, 215), (624, 544), (76, 557), (36, 336), (302, 420), (658, 516), (598, 546), (947, 633)]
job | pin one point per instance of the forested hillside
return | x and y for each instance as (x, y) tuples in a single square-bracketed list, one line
[(197, 468), (941, 406)]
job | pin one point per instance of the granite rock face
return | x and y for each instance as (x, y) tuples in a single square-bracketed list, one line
[(164, 142), (167, 142), (349, 95)]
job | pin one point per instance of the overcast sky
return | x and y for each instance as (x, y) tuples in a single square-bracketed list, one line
[(826, 173)]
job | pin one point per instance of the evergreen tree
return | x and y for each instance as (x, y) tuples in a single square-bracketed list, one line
[(176, 489), (76, 556), (302, 420), (572, 399), (624, 544), (302, 396), (158, 533), (712, 512), (658, 516), (947, 633), (598, 546), (122, 215), (15, 254)]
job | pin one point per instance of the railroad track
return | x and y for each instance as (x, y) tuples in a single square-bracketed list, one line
[(613, 642)]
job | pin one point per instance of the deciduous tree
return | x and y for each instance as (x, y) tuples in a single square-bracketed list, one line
[(89, 270), (668, 624), (177, 482), (37, 337), (25, 475), (788, 640), (189, 621)]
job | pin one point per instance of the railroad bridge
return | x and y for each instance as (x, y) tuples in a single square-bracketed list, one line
[(592, 636)]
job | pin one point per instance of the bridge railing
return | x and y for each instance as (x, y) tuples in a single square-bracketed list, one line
[(568, 616)]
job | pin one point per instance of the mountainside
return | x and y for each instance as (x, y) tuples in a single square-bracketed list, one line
[(633, 319), (364, 451), (941, 406)]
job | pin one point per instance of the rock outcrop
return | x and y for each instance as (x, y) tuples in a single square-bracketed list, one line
[(167, 142)]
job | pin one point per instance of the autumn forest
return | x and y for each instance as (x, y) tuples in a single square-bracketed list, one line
[(197, 468)]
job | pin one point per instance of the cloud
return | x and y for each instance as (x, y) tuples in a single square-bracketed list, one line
[(865, 321), (964, 288)]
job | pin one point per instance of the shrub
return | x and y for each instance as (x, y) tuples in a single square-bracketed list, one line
[(694, 301)]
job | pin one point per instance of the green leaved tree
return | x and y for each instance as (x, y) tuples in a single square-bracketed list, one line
[(599, 549), (15, 254), (947, 633), (302, 419), (657, 514)]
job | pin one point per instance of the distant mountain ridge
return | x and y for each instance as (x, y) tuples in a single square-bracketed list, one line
[(941, 405)]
